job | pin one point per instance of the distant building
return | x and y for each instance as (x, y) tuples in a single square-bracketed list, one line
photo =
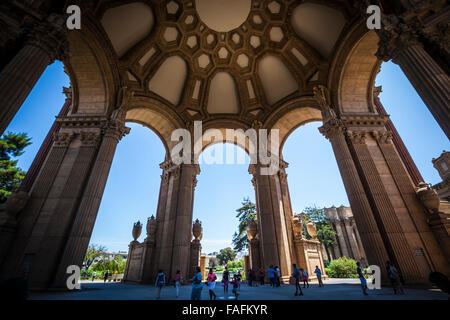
[(348, 241)]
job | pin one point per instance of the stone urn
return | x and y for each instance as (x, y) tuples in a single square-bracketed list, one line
[(297, 226), (252, 230), (428, 196), (311, 227), (151, 227), (197, 230), (137, 229)]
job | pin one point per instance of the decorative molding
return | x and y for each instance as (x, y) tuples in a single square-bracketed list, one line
[(357, 137), (62, 139)]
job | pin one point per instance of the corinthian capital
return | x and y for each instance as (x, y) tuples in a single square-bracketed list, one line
[(322, 96), (331, 128), (62, 139), (382, 137), (357, 137), (396, 36), (115, 128), (49, 35)]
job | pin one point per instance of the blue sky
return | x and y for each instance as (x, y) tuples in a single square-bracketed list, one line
[(132, 189)]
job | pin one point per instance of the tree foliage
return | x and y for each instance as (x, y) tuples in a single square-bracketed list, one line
[(342, 268), (117, 263), (93, 252), (245, 214), (11, 145), (225, 255)]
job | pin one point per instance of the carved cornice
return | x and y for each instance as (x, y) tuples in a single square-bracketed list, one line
[(81, 122), (369, 120)]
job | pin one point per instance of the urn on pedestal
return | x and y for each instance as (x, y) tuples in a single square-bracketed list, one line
[(197, 230), (137, 229)]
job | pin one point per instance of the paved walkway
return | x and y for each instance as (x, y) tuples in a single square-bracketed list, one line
[(335, 289)]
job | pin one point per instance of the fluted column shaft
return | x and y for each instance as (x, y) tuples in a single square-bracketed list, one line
[(183, 223), (81, 230), (367, 226), (45, 43), (388, 223), (28, 216)]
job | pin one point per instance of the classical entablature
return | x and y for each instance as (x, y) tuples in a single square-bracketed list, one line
[(197, 63)]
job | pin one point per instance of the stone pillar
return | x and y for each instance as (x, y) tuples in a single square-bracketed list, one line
[(333, 129), (45, 43), (185, 206), (83, 223), (272, 216), (400, 42), (16, 263), (175, 216)]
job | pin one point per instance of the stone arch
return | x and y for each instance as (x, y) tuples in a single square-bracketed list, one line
[(356, 79), (291, 116)]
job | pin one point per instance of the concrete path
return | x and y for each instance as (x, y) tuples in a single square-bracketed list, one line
[(335, 289)]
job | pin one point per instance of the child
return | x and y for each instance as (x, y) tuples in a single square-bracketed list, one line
[(235, 284), (177, 279)]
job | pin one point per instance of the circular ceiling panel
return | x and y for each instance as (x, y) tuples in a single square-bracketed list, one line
[(223, 15)]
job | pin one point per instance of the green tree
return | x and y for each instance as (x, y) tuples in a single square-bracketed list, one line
[(93, 252), (342, 268), (245, 214), (325, 233), (11, 145), (226, 255)]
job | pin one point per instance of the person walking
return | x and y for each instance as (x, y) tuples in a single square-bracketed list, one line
[(94, 274), (212, 284), (304, 278), (318, 273), (225, 280), (177, 278), (249, 277), (105, 277), (271, 273), (261, 276), (277, 276), (397, 283), (235, 284), (197, 285), (296, 275), (160, 282), (361, 278), (239, 277)]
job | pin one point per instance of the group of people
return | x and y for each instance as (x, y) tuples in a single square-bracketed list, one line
[(302, 275)]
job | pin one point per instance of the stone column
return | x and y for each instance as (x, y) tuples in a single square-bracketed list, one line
[(81, 229), (352, 239), (185, 206), (25, 219), (400, 42), (45, 43), (400, 253), (341, 238), (333, 129), (266, 218), (175, 215), (416, 211)]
